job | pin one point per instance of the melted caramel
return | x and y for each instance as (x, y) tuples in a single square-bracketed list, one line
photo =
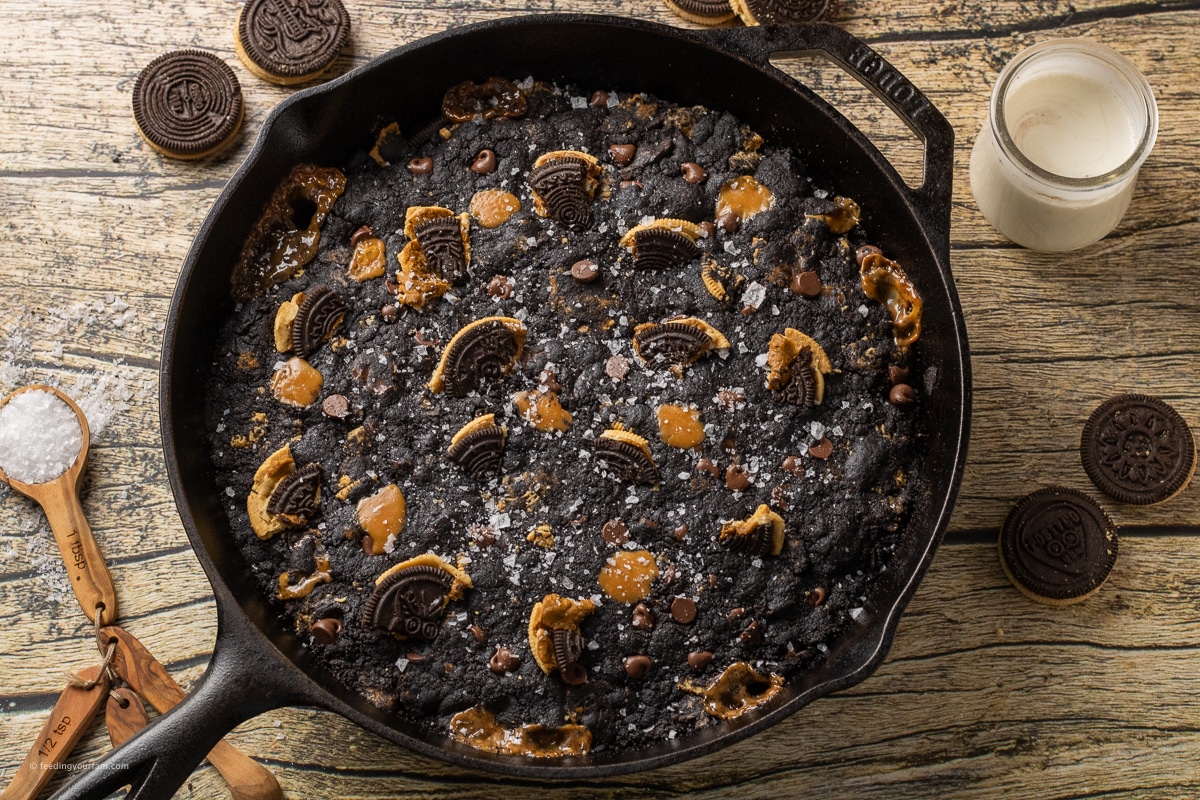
[(286, 236), (628, 574), (736, 690), (885, 282), (369, 260), (844, 217), (297, 384), (493, 207), (542, 410), (744, 197), (383, 514), (307, 584), (478, 728), (679, 426)]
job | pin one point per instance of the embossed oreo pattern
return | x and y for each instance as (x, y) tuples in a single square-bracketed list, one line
[(705, 8), (1058, 544), (187, 102), (292, 38), (781, 12), (1137, 449)]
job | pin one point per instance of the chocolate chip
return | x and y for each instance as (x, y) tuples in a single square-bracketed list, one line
[(902, 396), (500, 287), (710, 228), (899, 374), (416, 658), (478, 634), (630, 184), (752, 635), (779, 497), (822, 449), (793, 465), (421, 166), (617, 367), (326, 631), (737, 477), (866, 250), (807, 284), (368, 544), (728, 221), (599, 99), (585, 271), (389, 313), (336, 406), (681, 533), (707, 467), (749, 311), (615, 532), (504, 660), (364, 232), (643, 618), (693, 172), (699, 659), (482, 535), (549, 381), (485, 162), (735, 614), (683, 610), (713, 580), (817, 596), (637, 667), (622, 153)]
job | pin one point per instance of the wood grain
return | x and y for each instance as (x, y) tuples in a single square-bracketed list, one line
[(985, 695)]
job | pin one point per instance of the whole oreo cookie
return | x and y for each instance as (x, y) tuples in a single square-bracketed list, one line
[(187, 103), (291, 41), (1057, 546), (703, 12), (1137, 449), (779, 12)]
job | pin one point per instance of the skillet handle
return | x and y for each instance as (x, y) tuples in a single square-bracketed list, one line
[(239, 684), (759, 44)]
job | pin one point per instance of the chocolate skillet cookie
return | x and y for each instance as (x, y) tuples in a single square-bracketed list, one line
[(573, 426), (1138, 449), (290, 41)]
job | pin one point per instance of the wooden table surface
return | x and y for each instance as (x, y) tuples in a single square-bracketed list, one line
[(985, 694)]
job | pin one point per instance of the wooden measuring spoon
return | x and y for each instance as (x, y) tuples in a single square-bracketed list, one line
[(59, 498), (68, 722)]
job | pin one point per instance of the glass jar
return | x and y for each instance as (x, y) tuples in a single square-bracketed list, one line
[(1070, 123)]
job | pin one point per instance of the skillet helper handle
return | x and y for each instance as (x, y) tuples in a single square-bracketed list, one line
[(932, 198), (160, 758), (69, 721), (81, 555)]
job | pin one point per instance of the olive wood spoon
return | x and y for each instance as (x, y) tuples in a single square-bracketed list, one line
[(59, 498), (124, 715), (68, 722), (246, 778)]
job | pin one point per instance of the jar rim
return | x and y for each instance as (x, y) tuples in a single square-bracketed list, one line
[(1120, 66)]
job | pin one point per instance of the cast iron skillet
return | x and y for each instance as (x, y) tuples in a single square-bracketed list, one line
[(259, 665)]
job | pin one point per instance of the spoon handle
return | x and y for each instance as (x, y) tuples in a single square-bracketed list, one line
[(85, 565)]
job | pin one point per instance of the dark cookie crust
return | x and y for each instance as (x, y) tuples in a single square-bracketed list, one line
[(187, 102), (293, 38), (1058, 545), (1137, 449)]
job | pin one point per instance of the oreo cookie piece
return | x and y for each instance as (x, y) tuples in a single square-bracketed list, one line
[(291, 41), (703, 12), (779, 12), (1137, 449), (187, 104), (1057, 546)]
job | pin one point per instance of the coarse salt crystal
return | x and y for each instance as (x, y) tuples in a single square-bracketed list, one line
[(40, 437)]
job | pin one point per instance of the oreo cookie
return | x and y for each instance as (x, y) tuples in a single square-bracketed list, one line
[(779, 12), (187, 104), (703, 12), (1137, 449), (1058, 546), (291, 41)]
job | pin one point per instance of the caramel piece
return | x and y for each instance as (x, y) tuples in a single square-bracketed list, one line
[(542, 536), (782, 352), (415, 283), (284, 318), (307, 583), (382, 515), (885, 282), (369, 259), (297, 383), (742, 198), (844, 216), (554, 613), (492, 208), (735, 691), (627, 575), (679, 426), (542, 410), (478, 728), (761, 534)]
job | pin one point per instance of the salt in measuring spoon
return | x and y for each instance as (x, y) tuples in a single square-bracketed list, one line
[(59, 498)]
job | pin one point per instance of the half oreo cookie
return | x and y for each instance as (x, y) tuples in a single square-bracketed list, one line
[(1137, 449), (1057, 546), (187, 104)]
